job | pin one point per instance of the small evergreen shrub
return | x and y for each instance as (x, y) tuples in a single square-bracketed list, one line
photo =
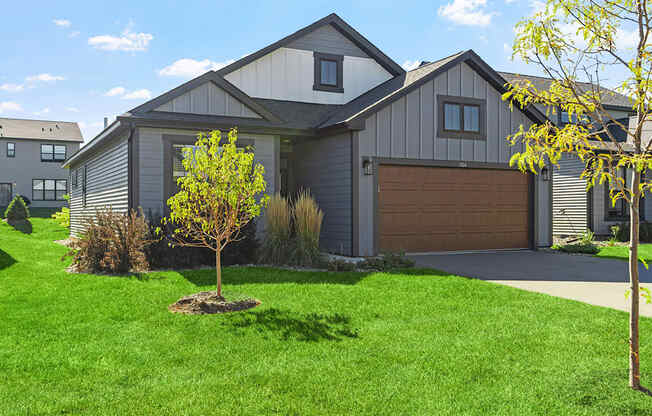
[(644, 232), (112, 242), (308, 219), (163, 254), (277, 245), (17, 210), (338, 265), (581, 248), (387, 261)]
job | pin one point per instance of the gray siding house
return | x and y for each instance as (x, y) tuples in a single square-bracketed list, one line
[(574, 209), (31, 154), (413, 161)]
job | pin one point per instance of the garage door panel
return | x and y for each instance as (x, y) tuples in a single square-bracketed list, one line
[(446, 209)]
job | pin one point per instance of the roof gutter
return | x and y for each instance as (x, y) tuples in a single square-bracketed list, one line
[(85, 149)]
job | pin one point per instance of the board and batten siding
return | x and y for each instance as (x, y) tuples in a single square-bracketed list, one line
[(569, 198), (327, 39), (288, 74), (323, 166), (208, 99), (107, 184), (407, 129), (151, 175)]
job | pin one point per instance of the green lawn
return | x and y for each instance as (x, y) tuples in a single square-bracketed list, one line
[(320, 343), (622, 252)]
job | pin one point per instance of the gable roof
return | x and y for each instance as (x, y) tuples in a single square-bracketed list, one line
[(17, 128), (339, 24), (210, 76), (400, 86), (610, 98)]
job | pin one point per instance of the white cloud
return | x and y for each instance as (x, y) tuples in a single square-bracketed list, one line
[(483, 39), (72, 109), (467, 12), (44, 78), (410, 65), (12, 87), (190, 68), (510, 1), (44, 111), (115, 91), (626, 39), (142, 94), (62, 22), (507, 49), (127, 41), (9, 106), (74, 34)]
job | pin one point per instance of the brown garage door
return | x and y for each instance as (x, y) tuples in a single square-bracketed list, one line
[(424, 209)]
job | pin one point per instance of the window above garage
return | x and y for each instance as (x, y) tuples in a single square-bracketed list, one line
[(461, 117), (328, 72)]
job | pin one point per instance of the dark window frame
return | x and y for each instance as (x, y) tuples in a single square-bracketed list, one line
[(481, 104), (84, 185), (74, 180), (43, 190), (339, 61), (11, 153), (54, 152), (621, 203)]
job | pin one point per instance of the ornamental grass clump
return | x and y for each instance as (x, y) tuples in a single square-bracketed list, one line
[(307, 221), (112, 242), (277, 246)]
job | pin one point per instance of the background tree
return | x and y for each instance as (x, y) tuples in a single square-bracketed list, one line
[(582, 40), (221, 192)]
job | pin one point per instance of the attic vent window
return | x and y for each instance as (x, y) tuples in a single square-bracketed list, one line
[(328, 72)]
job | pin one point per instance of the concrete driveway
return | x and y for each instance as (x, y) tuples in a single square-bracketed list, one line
[(593, 280)]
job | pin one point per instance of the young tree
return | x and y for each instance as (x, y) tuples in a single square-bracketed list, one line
[(582, 40), (221, 192)]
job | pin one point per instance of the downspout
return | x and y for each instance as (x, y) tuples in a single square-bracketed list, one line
[(130, 167)]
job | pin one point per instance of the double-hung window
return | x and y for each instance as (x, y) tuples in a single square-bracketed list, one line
[(53, 153), (461, 117), (49, 189), (620, 210), (11, 149)]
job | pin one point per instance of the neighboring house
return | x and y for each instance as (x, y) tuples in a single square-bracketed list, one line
[(414, 161), (31, 154), (575, 209)]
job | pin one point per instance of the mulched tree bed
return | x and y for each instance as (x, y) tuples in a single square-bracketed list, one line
[(203, 303)]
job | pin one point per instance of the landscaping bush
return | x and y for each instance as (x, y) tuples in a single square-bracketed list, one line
[(163, 254), (277, 246), (622, 232), (63, 217), (17, 210), (387, 261), (307, 221), (112, 242), (578, 248), (338, 265)]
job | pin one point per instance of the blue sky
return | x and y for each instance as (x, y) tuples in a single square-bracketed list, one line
[(82, 61)]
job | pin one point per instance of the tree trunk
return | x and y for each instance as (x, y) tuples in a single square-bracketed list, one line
[(634, 363), (218, 270)]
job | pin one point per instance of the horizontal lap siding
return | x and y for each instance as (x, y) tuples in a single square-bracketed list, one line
[(324, 167), (569, 202), (107, 185)]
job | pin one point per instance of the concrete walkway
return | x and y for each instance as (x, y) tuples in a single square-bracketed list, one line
[(593, 280)]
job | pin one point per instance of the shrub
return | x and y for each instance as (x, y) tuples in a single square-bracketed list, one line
[(17, 210), (338, 265), (277, 246), (587, 237), (582, 248), (63, 217), (307, 221), (112, 242), (387, 261), (163, 254), (645, 232)]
